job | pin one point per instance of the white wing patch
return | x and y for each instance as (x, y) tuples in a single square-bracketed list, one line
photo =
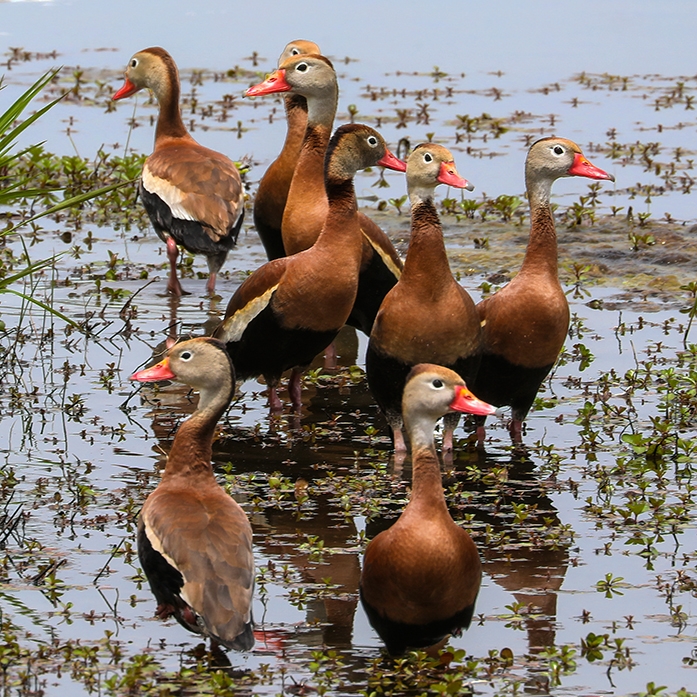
[(386, 258), (233, 327), (157, 546), (169, 193)]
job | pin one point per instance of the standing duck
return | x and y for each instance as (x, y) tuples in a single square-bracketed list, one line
[(314, 78), (194, 540), (421, 577), (291, 308), (524, 324), (193, 196), (428, 316), (270, 199)]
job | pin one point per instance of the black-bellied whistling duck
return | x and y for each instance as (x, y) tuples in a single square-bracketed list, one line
[(428, 317), (524, 324), (421, 576), (194, 540), (314, 78), (194, 196), (270, 199), (290, 309)]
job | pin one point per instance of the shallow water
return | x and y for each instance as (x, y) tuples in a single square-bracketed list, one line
[(82, 447)]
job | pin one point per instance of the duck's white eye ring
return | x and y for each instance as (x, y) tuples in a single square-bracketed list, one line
[(294, 52), (186, 356), (372, 141), (558, 150), (302, 67), (438, 384), (428, 157), (134, 62)]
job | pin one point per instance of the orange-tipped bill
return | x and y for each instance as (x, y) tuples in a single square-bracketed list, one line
[(160, 371), (276, 82), (126, 90), (391, 162), (448, 175), (467, 402), (583, 168)]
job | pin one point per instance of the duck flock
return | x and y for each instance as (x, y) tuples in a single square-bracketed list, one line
[(432, 351)]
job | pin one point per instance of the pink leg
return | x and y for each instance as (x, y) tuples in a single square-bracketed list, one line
[(295, 387), (173, 286), (399, 445), (330, 357), (481, 435), (210, 286), (275, 404), (448, 441), (516, 430)]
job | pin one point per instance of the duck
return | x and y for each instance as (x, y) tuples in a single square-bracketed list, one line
[(524, 324), (194, 540), (290, 309), (421, 577), (194, 196), (314, 78), (272, 192), (428, 317)]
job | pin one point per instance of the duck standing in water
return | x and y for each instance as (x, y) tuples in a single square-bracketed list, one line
[(428, 317), (193, 195), (290, 309), (525, 324), (421, 576), (194, 540)]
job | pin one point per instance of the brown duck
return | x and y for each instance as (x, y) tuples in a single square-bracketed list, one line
[(270, 199), (421, 577), (314, 78), (428, 317), (291, 308), (194, 196), (524, 324), (194, 540)]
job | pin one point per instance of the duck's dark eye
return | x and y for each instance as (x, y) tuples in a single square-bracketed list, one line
[(134, 62), (428, 157), (558, 150), (186, 356), (437, 383), (372, 141), (302, 67)]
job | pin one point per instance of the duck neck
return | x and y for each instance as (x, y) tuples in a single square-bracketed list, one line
[(427, 483), (541, 254), (296, 118), (426, 265), (341, 226), (169, 120), (192, 448)]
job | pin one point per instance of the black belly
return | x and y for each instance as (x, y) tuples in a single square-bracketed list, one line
[(503, 383), (387, 376), (266, 348), (190, 234), (374, 282), (399, 636)]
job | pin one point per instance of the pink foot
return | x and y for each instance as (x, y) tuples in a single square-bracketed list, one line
[(295, 387), (275, 404)]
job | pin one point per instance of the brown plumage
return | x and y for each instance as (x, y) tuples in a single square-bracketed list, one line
[(193, 195), (428, 317), (524, 324), (421, 577), (314, 78), (290, 309), (194, 540), (270, 199)]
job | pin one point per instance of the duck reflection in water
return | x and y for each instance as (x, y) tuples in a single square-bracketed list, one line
[(421, 577)]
